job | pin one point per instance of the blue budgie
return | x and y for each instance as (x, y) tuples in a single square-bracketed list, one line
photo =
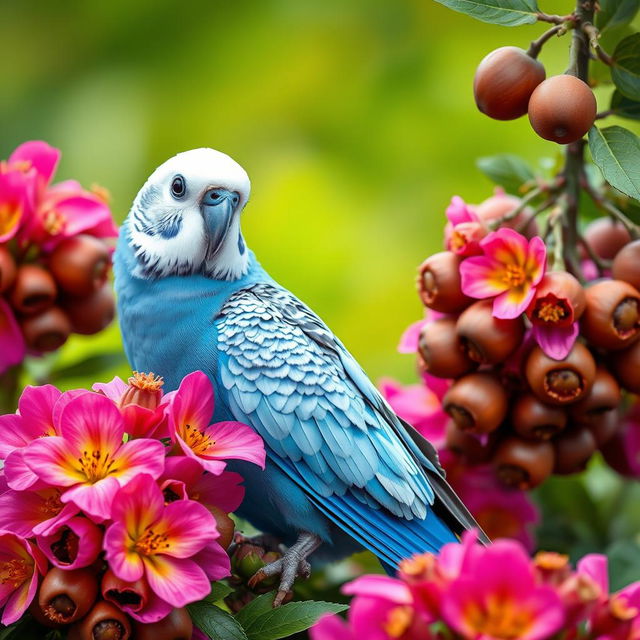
[(343, 471)]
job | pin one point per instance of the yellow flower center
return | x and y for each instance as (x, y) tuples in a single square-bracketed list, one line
[(423, 565), (551, 561), (53, 222), (102, 193), (14, 572), (514, 275), (621, 609), (198, 441), (9, 217), (501, 618), (146, 381), (550, 312), (52, 505), (95, 465), (152, 543), (398, 621)]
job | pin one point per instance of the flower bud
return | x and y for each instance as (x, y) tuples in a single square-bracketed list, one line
[(176, 626), (144, 389), (532, 419), (559, 301), (104, 622), (604, 396), (131, 597), (573, 449), (46, 331), (92, 313), (477, 402), (606, 237), (439, 283), (560, 381), (66, 595), (80, 264), (523, 464), (441, 350), (7, 269), (626, 264), (486, 339), (552, 568), (34, 290), (73, 545), (468, 446), (612, 317)]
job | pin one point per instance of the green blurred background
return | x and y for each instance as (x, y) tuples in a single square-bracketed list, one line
[(355, 120)]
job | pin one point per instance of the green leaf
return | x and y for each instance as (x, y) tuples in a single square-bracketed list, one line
[(509, 13), (507, 170), (616, 151), (624, 563), (215, 623), (91, 366), (219, 590), (24, 629), (255, 608), (616, 13), (624, 107), (625, 71), (271, 624)]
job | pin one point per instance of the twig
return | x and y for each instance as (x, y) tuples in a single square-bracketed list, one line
[(532, 195), (536, 46), (536, 212), (545, 17), (605, 114), (594, 40), (600, 263), (602, 202)]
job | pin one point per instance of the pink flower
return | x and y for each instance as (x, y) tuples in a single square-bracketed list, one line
[(158, 541), (509, 270), (89, 456), (73, 544), (497, 598), (409, 339), (190, 412), (20, 564), (419, 406), (15, 205), (464, 229), (12, 346), (331, 627)]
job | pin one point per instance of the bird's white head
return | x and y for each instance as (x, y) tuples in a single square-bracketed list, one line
[(186, 218)]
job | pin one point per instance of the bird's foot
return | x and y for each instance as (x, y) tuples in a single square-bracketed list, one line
[(293, 564)]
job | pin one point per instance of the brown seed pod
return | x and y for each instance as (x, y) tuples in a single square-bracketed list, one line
[(486, 339), (604, 396), (560, 300), (534, 420), (607, 237), (80, 264), (626, 367), (225, 525), (562, 109), (499, 205), (467, 446), (504, 82), (176, 626), (91, 313), (133, 595), (573, 449), (477, 402), (611, 319), (560, 382), (605, 426), (439, 283), (626, 264), (104, 622), (46, 331), (617, 456), (441, 350), (523, 464), (7, 269), (34, 289), (66, 595)]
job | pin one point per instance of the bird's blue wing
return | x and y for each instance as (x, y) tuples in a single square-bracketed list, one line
[(326, 425)]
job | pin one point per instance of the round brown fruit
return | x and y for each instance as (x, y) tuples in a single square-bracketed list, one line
[(46, 331), (33, 290), (439, 283), (611, 319), (225, 525), (468, 446), (535, 420), (562, 109), (477, 402), (91, 313), (80, 264), (7, 269), (606, 237), (66, 595), (573, 449), (485, 338), (504, 82), (441, 350), (626, 264), (626, 367), (523, 464), (104, 622), (604, 396), (135, 595), (176, 626), (617, 455), (605, 426), (560, 382)]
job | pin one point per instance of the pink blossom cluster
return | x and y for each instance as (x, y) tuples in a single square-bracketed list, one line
[(497, 592), (123, 479), (35, 217)]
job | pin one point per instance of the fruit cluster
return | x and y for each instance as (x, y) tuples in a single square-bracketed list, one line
[(510, 82), (54, 256), (538, 360)]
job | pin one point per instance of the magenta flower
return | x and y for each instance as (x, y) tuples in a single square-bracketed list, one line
[(497, 598), (15, 204), (191, 411), (20, 565), (331, 627), (409, 339), (89, 456), (12, 346), (158, 541), (464, 230), (73, 544), (509, 271)]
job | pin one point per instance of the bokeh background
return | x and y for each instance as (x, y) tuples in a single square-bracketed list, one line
[(355, 121)]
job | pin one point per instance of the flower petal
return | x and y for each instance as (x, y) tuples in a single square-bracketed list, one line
[(138, 505), (41, 156), (53, 461), (214, 561), (513, 302), (237, 441), (178, 581), (480, 277), (12, 345), (193, 404), (114, 390), (94, 499), (139, 456), (189, 527), (556, 342), (126, 564)]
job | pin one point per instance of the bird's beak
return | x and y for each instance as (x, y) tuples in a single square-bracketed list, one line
[(217, 212)]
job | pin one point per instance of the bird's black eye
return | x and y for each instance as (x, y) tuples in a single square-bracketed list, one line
[(178, 187)]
